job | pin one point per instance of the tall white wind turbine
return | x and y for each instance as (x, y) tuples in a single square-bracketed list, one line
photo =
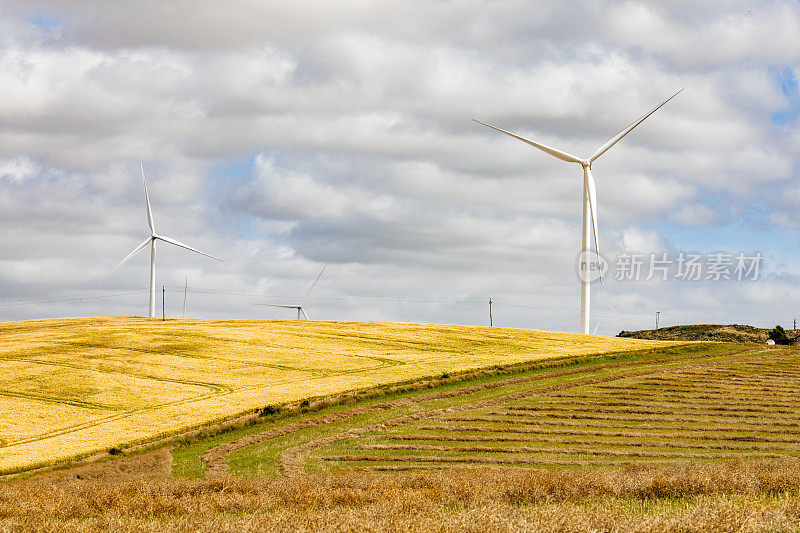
[(301, 312), (151, 240), (589, 196)]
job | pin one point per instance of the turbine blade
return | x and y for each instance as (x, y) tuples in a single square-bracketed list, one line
[(304, 313), (278, 305), (593, 208), (613, 140), (598, 325), (313, 284), (147, 200), (177, 243), (564, 156), (134, 252)]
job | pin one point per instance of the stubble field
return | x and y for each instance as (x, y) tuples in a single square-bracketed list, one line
[(677, 437), (700, 437)]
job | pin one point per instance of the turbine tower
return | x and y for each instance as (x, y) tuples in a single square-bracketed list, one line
[(589, 196), (301, 313), (151, 240)]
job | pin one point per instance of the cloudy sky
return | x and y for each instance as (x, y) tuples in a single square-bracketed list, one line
[(283, 135)]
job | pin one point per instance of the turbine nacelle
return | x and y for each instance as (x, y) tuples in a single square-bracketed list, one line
[(301, 313)]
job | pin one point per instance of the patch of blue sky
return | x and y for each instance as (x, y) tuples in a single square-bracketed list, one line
[(224, 178), (48, 23), (730, 237), (232, 172), (776, 245), (787, 82), (248, 228)]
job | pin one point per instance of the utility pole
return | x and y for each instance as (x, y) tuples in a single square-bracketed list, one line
[(490, 313), (795, 325), (657, 313), (185, 288), (163, 294)]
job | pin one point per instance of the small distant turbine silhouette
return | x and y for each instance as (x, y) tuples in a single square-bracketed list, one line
[(589, 195), (301, 313), (151, 240)]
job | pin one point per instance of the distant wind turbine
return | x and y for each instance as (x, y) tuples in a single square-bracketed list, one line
[(151, 240), (301, 313), (598, 324), (589, 196)]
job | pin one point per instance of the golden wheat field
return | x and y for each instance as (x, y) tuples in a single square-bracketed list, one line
[(69, 387)]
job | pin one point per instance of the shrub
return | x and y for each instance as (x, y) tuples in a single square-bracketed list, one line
[(779, 335), (268, 411)]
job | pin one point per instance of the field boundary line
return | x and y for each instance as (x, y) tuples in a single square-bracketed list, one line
[(548, 438), (563, 451), (473, 461), (565, 428)]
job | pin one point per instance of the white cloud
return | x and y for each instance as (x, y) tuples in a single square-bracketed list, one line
[(654, 197), (697, 215), (637, 240), (18, 168), (758, 31), (278, 194)]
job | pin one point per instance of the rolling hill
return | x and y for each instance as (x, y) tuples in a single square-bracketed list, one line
[(703, 332), (70, 387)]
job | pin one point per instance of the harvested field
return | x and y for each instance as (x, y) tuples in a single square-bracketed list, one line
[(734, 496), (453, 457), (72, 387), (728, 408)]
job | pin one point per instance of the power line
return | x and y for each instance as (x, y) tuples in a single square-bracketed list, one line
[(627, 319), (67, 298)]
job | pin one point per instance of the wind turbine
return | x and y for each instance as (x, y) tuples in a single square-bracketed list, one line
[(589, 196), (151, 240), (301, 313)]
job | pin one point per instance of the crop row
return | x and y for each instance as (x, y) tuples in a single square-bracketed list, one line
[(746, 408)]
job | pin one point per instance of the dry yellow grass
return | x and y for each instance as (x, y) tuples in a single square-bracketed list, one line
[(74, 386), (138, 495)]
